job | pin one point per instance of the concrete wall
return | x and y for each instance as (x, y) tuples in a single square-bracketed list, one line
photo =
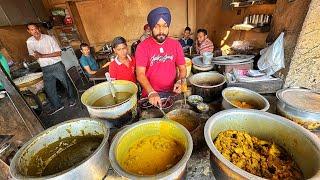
[(305, 64), (13, 39), (104, 20), (208, 15)]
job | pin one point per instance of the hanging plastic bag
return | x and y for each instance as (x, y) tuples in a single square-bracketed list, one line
[(272, 57)]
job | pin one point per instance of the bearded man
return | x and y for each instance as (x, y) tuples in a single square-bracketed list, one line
[(158, 57)]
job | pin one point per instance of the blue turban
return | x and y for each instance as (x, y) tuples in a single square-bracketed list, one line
[(156, 14)]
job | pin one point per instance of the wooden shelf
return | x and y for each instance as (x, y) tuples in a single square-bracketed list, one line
[(262, 29), (248, 3)]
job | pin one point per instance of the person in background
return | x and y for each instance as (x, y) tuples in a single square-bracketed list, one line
[(4, 64), (203, 43), (186, 42), (158, 57), (46, 50), (123, 66), (146, 33), (87, 61)]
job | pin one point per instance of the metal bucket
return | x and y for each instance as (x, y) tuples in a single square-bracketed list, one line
[(244, 95), (207, 58), (116, 115), (297, 141), (125, 138), (208, 92), (93, 167)]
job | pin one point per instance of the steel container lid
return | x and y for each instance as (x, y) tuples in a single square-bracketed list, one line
[(232, 59), (301, 99)]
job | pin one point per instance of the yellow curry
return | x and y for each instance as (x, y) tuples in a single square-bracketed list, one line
[(153, 155)]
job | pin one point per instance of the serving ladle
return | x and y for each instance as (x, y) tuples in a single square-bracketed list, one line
[(111, 87)]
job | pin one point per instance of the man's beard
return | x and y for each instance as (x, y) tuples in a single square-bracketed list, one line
[(160, 38)]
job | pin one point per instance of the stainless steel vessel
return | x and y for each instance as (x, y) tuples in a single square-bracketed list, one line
[(156, 126), (208, 85), (231, 94), (118, 114), (93, 167), (194, 118), (301, 106), (297, 141)]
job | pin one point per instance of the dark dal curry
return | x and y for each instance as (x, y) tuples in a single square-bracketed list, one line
[(108, 100), (62, 155)]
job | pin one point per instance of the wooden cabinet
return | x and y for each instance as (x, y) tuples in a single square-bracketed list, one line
[(19, 12)]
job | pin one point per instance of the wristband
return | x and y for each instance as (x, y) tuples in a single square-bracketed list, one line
[(152, 92)]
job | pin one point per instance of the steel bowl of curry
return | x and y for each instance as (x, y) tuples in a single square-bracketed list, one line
[(151, 149), (236, 97), (69, 150), (252, 144), (192, 121), (116, 111)]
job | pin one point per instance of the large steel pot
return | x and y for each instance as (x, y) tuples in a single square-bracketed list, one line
[(232, 94), (208, 85), (194, 118), (300, 143), (29, 80), (301, 106), (93, 167), (126, 137), (116, 115)]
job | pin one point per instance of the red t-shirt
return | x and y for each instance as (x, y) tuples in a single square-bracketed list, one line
[(160, 61), (120, 71)]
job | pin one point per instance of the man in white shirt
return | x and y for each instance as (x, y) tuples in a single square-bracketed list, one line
[(48, 54)]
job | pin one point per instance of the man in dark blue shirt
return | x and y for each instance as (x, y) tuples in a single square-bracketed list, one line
[(186, 41), (87, 61)]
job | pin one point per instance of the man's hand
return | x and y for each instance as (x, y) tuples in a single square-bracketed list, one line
[(106, 64), (37, 55), (177, 87), (154, 99)]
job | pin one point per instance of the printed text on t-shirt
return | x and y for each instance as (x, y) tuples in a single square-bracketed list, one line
[(160, 58)]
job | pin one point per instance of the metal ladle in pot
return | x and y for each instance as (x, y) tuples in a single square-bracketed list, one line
[(112, 89), (164, 114)]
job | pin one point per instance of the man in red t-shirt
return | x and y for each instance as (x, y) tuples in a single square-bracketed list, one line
[(157, 58)]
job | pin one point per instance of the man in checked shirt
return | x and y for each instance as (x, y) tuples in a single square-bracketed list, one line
[(203, 43)]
